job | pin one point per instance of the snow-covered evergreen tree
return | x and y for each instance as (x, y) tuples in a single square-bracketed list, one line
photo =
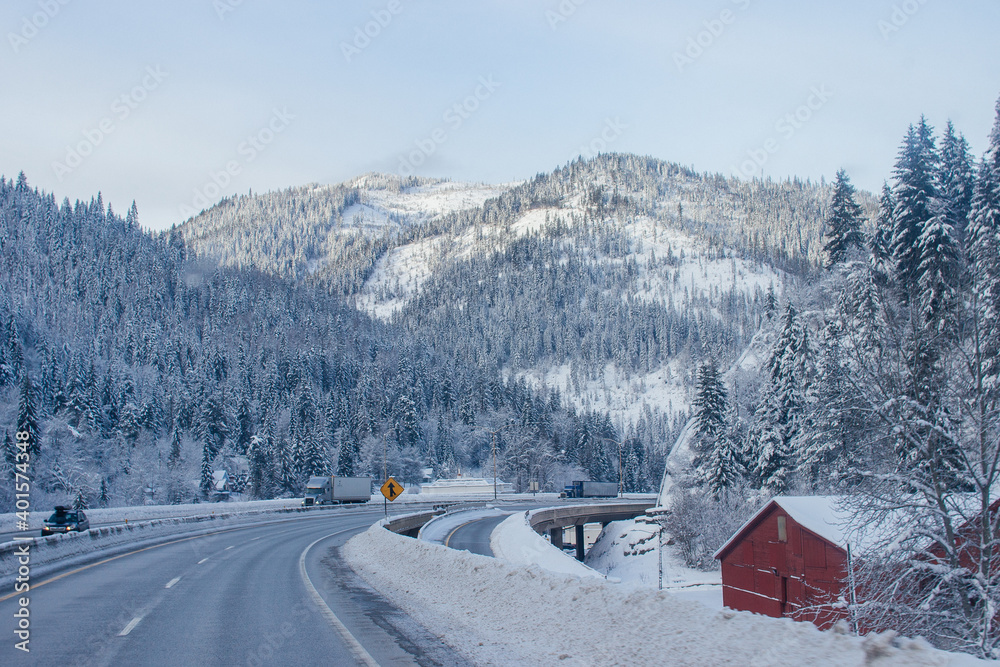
[(80, 500), (956, 180), (174, 458), (914, 195), (27, 417), (348, 457), (880, 242), (843, 224), (710, 401), (778, 418), (205, 483)]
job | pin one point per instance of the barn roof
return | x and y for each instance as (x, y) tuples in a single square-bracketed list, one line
[(827, 516), (834, 519), (824, 515)]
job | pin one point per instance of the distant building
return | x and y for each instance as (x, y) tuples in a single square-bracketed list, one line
[(466, 486), (220, 484)]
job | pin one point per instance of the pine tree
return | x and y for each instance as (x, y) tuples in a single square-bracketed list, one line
[(938, 274), (633, 479), (27, 417), (710, 401), (103, 497), (174, 458), (80, 501), (722, 468), (770, 302), (881, 240), (347, 458), (914, 195), (712, 449), (314, 455), (984, 258), (206, 470), (407, 424), (257, 463), (956, 180), (244, 425), (212, 428), (7, 376), (779, 416), (287, 476), (843, 223), (9, 452), (15, 355)]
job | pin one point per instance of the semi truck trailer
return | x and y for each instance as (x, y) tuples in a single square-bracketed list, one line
[(335, 490), (591, 490)]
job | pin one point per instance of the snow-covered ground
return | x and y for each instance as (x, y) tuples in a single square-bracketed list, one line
[(626, 552), (497, 613)]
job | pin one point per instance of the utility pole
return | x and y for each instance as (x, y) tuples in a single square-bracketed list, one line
[(385, 476), (620, 446), (659, 554), (493, 447)]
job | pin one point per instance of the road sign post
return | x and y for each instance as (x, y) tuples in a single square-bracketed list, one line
[(390, 490)]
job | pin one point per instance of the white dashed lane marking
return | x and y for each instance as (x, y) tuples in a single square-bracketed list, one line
[(131, 626)]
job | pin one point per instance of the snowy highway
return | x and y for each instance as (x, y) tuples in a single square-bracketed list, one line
[(244, 595)]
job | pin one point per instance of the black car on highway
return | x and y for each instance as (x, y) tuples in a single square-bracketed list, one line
[(65, 520)]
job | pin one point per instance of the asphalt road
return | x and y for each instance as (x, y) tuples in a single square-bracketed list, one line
[(474, 536), (247, 595)]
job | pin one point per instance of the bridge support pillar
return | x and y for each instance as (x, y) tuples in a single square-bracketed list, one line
[(555, 537), (580, 552)]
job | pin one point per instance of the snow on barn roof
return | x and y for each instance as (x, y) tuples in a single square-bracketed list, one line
[(836, 519), (826, 516)]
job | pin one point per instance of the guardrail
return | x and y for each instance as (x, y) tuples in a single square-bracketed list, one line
[(410, 524), (577, 515)]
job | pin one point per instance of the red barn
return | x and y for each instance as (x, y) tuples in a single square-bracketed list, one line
[(789, 559)]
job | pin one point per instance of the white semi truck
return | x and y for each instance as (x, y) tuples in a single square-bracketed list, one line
[(337, 490)]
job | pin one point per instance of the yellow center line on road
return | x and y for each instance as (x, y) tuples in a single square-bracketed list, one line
[(455, 530)]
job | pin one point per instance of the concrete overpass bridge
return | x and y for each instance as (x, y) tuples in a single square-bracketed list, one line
[(556, 520)]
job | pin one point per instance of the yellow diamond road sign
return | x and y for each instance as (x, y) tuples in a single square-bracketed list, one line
[(391, 489)]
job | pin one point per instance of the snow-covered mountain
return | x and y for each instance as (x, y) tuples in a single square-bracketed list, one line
[(606, 280)]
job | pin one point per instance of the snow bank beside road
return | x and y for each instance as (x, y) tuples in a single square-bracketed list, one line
[(515, 542), (499, 614)]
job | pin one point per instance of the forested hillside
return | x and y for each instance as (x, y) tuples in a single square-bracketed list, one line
[(607, 279), (136, 365)]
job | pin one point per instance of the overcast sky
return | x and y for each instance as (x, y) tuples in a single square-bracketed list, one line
[(178, 103)]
